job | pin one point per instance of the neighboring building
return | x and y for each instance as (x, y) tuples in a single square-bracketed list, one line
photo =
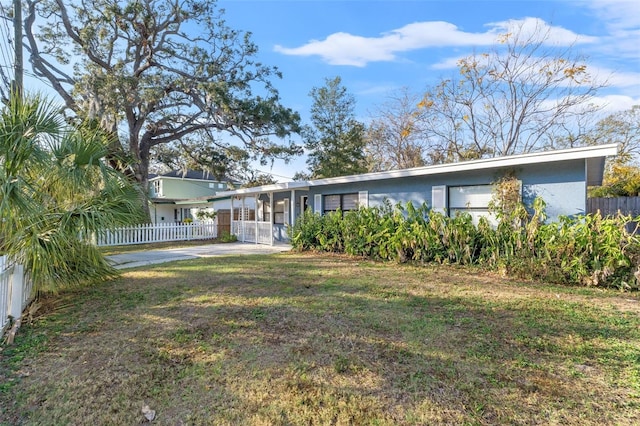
[(261, 214), (176, 196)]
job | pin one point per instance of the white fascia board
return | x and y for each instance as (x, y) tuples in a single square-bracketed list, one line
[(276, 187), (187, 179), (194, 201), (489, 163)]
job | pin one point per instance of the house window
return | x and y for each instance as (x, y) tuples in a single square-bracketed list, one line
[(266, 209), (157, 188), (343, 202), (278, 212), (472, 199)]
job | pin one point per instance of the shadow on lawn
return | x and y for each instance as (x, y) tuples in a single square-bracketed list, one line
[(324, 340)]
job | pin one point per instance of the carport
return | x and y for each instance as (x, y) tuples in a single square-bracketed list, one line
[(262, 215)]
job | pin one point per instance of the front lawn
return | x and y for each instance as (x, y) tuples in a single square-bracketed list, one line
[(316, 339)]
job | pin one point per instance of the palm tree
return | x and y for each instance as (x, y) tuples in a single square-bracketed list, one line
[(56, 190)]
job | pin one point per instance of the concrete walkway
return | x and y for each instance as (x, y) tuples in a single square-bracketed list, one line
[(150, 257)]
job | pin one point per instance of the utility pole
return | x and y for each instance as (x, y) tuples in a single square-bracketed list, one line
[(19, 63)]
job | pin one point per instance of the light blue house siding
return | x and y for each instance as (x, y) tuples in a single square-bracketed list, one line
[(280, 230), (562, 186), (560, 178)]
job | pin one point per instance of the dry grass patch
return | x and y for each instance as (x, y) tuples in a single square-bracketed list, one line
[(309, 339)]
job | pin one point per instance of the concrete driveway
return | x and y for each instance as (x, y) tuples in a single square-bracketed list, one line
[(150, 257)]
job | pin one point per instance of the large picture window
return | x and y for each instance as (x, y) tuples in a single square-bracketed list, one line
[(344, 202)]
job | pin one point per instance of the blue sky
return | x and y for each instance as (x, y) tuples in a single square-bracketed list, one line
[(378, 47)]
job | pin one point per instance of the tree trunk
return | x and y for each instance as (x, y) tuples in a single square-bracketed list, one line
[(142, 177)]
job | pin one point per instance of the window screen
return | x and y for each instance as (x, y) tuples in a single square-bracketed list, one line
[(472, 199), (343, 202), (349, 202), (363, 199), (331, 203)]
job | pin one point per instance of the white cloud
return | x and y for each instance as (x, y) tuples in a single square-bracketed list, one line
[(618, 15), (535, 29), (619, 79), (347, 49), (621, 18), (615, 103), (448, 63)]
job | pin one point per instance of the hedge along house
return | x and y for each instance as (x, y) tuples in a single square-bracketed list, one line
[(559, 177)]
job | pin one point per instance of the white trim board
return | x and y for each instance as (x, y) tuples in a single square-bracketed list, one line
[(595, 154), (489, 163)]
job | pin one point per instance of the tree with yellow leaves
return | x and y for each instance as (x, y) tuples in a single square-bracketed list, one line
[(519, 97), (395, 138)]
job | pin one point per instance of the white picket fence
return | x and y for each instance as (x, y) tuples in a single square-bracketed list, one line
[(157, 233), (15, 292)]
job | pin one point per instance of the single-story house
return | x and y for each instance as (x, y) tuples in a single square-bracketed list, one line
[(261, 214), (177, 195)]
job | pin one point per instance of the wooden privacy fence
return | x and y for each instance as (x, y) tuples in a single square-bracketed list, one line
[(611, 206), (157, 233), (15, 292)]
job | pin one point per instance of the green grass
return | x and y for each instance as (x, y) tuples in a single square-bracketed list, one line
[(317, 339)]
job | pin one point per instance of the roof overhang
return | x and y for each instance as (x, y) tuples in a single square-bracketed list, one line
[(179, 200), (275, 187), (594, 157), (194, 201), (595, 170)]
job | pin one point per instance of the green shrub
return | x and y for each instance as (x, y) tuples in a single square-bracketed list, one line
[(226, 237), (587, 250)]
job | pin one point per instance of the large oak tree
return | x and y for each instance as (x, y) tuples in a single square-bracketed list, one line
[(156, 72)]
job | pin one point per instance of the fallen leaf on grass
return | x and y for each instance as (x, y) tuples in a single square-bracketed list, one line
[(149, 414)]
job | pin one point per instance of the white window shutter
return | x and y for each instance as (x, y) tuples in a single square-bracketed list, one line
[(317, 203), (439, 199), (286, 211), (363, 199)]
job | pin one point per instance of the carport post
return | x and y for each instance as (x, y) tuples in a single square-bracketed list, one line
[(292, 203), (242, 221), (231, 226), (271, 217), (255, 214)]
